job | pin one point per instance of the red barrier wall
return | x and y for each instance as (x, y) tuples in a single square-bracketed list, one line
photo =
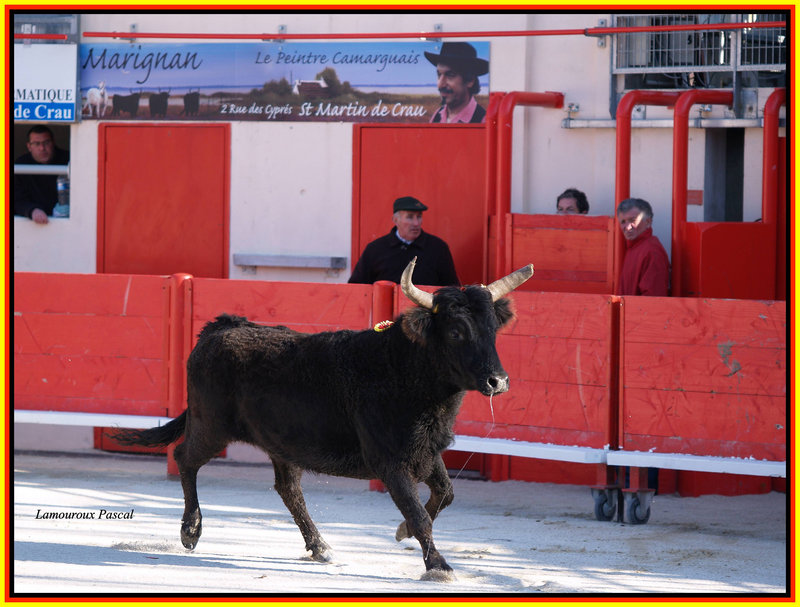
[(696, 376), (728, 260), (704, 377), (559, 353), (94, 343), (302, 306), (570, 253)]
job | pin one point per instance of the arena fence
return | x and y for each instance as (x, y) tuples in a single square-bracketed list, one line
[(674, 383)]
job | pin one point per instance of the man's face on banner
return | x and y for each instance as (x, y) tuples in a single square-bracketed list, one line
[(452, 87)]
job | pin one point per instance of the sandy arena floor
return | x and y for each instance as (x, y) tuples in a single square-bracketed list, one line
[(510, 538)]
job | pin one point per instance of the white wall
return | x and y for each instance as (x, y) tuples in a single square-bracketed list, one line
[(291, 194), (291, 183)]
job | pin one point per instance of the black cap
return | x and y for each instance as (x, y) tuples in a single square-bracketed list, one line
[(408, 203)]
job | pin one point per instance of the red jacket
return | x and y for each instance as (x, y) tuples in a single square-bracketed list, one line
[(645, 270)]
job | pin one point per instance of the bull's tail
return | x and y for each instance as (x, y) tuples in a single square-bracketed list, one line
[(159, 436)]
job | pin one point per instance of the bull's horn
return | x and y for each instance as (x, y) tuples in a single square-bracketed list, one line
[(418, 296), (503, 286)]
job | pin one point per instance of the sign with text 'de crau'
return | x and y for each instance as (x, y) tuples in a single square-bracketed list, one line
[(45, 82)]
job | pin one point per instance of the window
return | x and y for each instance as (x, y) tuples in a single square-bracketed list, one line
[(705, 58), (47, 23)]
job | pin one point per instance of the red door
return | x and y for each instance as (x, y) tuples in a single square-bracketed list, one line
[(163, 199), (442, 165), (163, 206)]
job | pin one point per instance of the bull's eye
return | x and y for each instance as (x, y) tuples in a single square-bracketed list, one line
[(456, 335)]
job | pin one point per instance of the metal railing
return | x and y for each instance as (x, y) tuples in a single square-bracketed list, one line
[(41, 169), (683, 43)]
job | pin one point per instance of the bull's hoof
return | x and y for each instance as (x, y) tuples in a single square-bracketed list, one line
[(402, 532), (326, 556), (438, 575), (190, 534), (321, 553)]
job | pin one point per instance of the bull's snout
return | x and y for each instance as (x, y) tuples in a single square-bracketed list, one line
[(496, 384)]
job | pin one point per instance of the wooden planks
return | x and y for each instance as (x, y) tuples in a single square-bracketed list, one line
[(92, 343), (306, 307), (570, 253), (558, 353), (704, 377), (696, 376)]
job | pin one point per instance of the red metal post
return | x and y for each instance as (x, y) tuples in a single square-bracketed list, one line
[(771, 214), (680, 170), (179, 330), (383, 297), (504, 137), (623, 158), (769, 181), (491, 174), (383, 301)]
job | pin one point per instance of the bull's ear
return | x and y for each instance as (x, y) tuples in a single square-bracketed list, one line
[(417, 324), (503, 310)]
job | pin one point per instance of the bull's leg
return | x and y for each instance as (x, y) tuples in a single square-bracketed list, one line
[(441, 495), (190, 456), (287, 484), (419, 524)]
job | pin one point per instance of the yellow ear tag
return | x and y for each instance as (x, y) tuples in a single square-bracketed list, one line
[(435, 309), (383, 325)]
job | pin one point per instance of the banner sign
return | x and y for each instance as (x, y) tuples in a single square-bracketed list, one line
[(291, 81), (45, 82)]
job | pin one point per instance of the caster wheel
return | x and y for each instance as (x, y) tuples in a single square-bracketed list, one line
[(635, 514), (603, 510)]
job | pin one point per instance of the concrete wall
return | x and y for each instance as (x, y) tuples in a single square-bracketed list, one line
[(291, 184)]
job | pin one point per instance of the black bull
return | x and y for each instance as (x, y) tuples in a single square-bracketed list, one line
[(360, 404)]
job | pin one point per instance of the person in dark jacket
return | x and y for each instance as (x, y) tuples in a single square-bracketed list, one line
[(386, 257), (36, 195), (457, 69)]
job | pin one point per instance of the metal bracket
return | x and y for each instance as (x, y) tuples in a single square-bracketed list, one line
[(437, 27), (572, 108), (28, 28), (601, 38), (282, 29), (749, 103)]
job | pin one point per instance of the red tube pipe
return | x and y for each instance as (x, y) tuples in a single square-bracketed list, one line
[(504, 135), (40, 37), (680, 170), (623, 159), (624, 111), (769, 179), (179, 344), (587, 31), (769, 187), (490, 202)]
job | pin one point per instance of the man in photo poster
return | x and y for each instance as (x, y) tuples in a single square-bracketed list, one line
[(457, 69)]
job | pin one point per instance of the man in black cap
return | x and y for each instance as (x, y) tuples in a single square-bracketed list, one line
[(386, 257), (457, 69)]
